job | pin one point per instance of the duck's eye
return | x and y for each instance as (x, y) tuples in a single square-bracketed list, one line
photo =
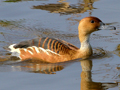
[(92, 21)]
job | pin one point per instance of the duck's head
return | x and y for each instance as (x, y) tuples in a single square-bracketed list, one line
[(90, 24)]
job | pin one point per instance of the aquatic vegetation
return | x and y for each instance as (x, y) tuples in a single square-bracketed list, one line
[(6, 23), (12, 0)]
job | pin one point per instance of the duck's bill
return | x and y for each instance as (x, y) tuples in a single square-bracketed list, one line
[(106, 27)]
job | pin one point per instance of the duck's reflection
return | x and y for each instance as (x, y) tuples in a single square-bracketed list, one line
[(35, 66), (47, 68), (42, 68), (86, 78)]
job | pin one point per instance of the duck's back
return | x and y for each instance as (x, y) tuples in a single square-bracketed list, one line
[(55, 45)]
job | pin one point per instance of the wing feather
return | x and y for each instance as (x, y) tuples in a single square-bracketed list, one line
[(54, 45)]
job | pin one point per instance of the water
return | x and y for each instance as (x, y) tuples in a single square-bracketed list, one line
[(23, 19)]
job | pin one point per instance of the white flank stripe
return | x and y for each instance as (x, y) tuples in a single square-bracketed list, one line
[(43, 50), (16, 52), (52, 52), (31, 48), (36, 48), (30, 52), (25, 50)]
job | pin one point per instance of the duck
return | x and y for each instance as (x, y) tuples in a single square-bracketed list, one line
[(54, 50)]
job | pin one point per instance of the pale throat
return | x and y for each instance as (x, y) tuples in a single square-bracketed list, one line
[(85, 44)]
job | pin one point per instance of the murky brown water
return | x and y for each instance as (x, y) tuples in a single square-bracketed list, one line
[(26, 19)]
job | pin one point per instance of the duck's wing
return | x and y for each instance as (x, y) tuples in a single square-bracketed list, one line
[(46, 44), (71, 46)]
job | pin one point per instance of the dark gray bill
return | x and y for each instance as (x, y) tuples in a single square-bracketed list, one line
[(106, 27)]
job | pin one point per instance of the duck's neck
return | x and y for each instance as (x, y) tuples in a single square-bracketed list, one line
[(85, 48)]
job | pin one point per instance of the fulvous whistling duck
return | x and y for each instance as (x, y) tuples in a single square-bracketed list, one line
[(55, 50)]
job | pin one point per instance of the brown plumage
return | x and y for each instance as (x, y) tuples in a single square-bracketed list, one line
[(44, 68), (55, 50)]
